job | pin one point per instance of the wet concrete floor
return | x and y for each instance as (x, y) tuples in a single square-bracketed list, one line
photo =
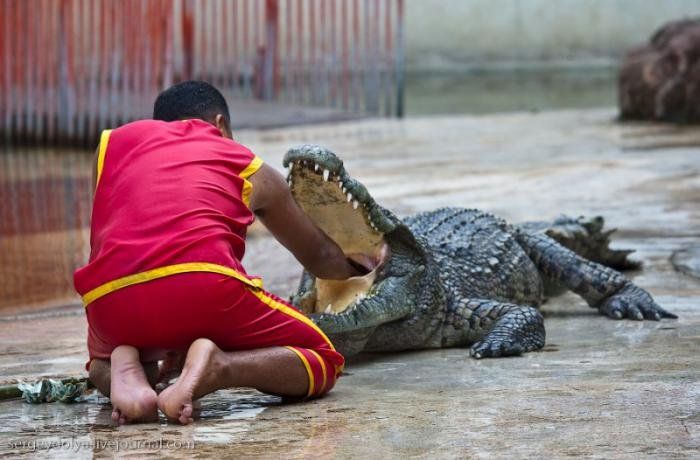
[(600, 387)]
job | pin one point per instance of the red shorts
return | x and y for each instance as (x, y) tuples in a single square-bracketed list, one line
[(172, 312)]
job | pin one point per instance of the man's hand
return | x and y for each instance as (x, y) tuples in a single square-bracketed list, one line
[(272, 203)]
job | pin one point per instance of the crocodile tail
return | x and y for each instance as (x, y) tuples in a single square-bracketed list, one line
[(587, 238)]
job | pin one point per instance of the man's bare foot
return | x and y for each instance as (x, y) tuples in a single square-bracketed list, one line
[(202, 373), (133, 399)]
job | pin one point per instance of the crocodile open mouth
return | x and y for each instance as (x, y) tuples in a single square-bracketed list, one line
[(346, 212)]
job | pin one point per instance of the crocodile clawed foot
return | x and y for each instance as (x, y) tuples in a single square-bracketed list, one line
[(635, 303), (518, 331), (494, 349)]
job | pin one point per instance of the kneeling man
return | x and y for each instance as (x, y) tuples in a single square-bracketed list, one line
[(173, 199)]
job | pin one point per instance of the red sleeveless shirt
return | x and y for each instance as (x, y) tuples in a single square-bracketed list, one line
[(171, 197)]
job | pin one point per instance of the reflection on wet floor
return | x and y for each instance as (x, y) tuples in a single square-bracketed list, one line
[(223, 417), (45, 213)]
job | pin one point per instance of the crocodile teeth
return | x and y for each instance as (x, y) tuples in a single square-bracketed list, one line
[(349, 197), (355, 204), (326, 174), (316, 167), (340, 185), (328, 309), (291, 166)]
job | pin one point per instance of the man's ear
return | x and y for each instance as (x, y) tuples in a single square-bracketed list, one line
[(222, 126)]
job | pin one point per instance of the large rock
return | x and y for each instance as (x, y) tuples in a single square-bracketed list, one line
[(661, 80)]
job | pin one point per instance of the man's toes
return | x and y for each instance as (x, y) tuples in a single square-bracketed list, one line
[(186, 414)]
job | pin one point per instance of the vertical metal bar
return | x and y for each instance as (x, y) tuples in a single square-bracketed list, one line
[(257, 34), (66, 82), (102, 99), (345, 53), (137, 95), (235, 56), (40, 65), (248, 53), (288, 70), (29, 55), (399, 63), (80, 45), (212, 40), (115, 53), (19, 66), (333, 56), (94, 40), (271, 59), (356, 56), (152, 20), (52, 67), (386, 58), (187, 40), (125, 68), (168, 11), (299, 60), (321, 66), (225, 52), (6, 70), (313, 56)]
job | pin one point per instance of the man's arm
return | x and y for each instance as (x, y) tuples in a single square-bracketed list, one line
[(272, 203)]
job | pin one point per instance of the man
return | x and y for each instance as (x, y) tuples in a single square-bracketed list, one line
[(173, 199)]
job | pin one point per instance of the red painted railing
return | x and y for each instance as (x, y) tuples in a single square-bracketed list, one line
[(72, 67)]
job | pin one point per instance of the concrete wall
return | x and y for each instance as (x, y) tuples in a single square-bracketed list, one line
[(443, 34)]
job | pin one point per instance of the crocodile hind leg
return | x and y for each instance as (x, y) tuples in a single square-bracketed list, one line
[(587, 237), (510, 329), (602, 287)]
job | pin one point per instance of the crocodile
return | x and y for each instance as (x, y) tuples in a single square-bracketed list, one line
[(452, 277)]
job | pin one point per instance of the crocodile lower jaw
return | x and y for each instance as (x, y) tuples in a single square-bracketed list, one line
[(346, 219)]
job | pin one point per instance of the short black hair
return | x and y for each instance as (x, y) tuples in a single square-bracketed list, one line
[(191, 99)]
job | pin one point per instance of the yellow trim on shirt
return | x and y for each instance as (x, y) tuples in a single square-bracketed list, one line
[(323, 369), (249, 170), (101, 151), (252, 167), (289, 311), (162, 272), (308, 370)]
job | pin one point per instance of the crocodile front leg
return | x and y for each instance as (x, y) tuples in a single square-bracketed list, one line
[(602, 287), (494, 328)]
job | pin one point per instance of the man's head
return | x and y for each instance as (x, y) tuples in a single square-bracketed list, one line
[(193, 99)]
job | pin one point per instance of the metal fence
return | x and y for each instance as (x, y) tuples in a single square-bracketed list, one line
[(72, 67)]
